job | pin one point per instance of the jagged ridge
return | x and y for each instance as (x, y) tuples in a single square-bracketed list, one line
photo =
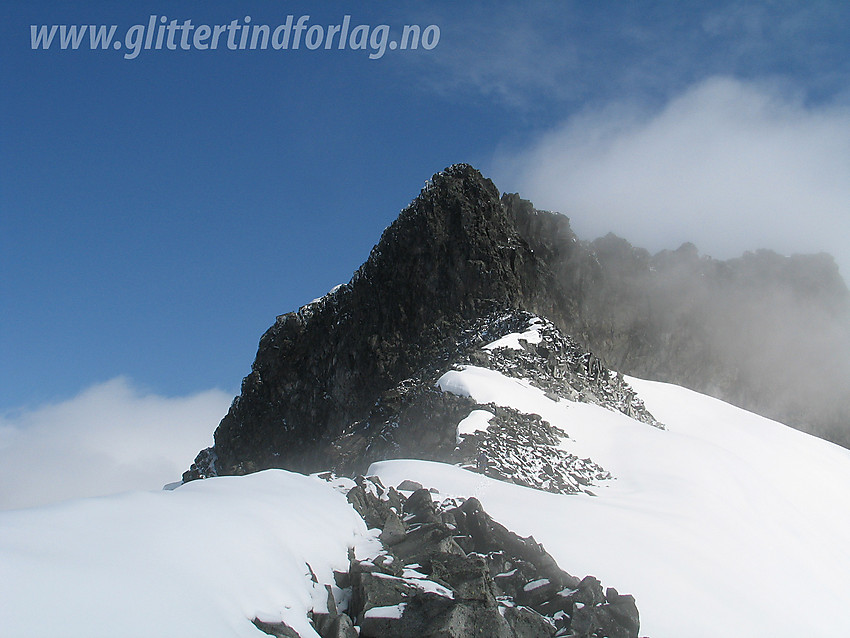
[(461, 252), (448, 569)]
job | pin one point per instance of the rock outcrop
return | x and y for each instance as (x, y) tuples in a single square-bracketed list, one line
[(449, 570), (422, 417), (419, 418), (451, 257)]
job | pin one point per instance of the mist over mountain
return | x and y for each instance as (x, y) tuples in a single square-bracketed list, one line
[(765, 332)]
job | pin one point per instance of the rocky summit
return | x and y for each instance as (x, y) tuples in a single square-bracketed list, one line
[(355, 376), (452, 257)]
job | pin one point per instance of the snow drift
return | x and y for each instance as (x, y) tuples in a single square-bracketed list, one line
[(203, 560)]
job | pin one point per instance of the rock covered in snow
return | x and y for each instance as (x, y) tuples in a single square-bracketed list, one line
[(538, 351), (427, 416), (450, 570)]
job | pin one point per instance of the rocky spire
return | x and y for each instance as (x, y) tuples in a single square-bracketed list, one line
[(453, 255)]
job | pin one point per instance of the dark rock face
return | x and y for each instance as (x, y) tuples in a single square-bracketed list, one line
[(769, 333), (276, 629), (452, 571), (451, 256), (417, 418)]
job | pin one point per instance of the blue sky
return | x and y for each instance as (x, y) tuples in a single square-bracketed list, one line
[(158, 213)]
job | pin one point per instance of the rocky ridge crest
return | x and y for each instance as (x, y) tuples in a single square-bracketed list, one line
[(447, 569), (460, 253)]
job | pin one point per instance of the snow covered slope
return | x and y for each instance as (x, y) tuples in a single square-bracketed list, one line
[(726, 523), (203, 560)]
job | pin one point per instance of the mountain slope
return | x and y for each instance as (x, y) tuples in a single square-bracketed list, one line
[(451, 257), (166, 564), (724, 523), (765, 332)]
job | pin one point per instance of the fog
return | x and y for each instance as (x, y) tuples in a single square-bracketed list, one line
[(731, 166), (726, 164), (110, 438), (773, 331)]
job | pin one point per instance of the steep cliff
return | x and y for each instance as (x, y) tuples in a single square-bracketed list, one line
[(766, 332)]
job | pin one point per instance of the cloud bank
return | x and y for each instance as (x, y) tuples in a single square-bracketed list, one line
[(110, 438), (727, 164)]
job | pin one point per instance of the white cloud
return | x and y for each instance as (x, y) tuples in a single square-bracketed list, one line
[(110, 438), (729, 165)]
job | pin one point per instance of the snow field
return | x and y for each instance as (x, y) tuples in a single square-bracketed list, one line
[(726, 520), (726, 523), (202, 560)]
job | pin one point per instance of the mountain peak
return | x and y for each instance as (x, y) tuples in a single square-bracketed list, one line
[(461, 254), (455, 243), (452, 256)]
